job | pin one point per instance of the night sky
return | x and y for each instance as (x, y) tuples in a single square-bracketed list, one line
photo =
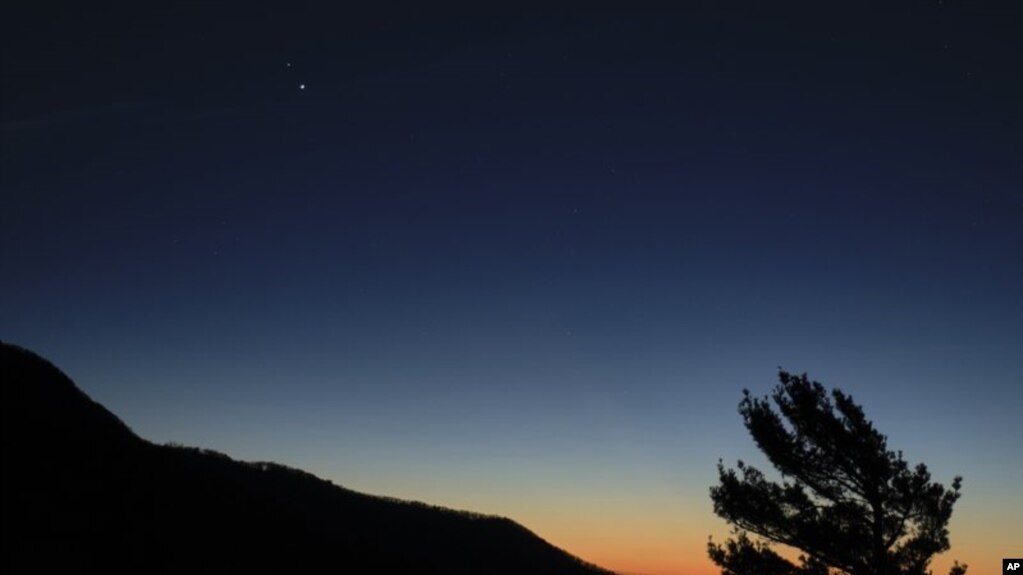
[(524, 261)]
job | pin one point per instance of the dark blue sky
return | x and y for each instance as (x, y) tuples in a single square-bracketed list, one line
[(492, 257)]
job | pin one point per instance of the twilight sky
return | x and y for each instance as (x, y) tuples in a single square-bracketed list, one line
[(524, 261)]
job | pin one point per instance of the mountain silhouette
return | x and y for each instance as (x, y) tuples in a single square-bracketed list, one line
[(82, 493)]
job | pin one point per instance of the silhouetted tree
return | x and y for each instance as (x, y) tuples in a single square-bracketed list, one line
[(845, 500)]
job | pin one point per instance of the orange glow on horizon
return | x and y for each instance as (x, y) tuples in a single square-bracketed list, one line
[(633, 553), (663, 530)]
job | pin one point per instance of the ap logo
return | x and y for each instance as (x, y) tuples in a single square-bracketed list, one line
[(1012, 566)]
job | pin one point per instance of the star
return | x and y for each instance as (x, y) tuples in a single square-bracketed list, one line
[(301, 86)]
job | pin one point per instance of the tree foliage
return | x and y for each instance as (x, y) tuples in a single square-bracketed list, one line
[(846, 501)]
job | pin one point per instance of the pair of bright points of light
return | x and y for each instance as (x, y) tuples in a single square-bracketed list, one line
[(300, 86)]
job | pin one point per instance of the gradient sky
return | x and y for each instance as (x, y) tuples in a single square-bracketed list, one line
[(524, 261)]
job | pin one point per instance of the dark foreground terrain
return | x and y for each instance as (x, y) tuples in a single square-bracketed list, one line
[(83, 494)]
